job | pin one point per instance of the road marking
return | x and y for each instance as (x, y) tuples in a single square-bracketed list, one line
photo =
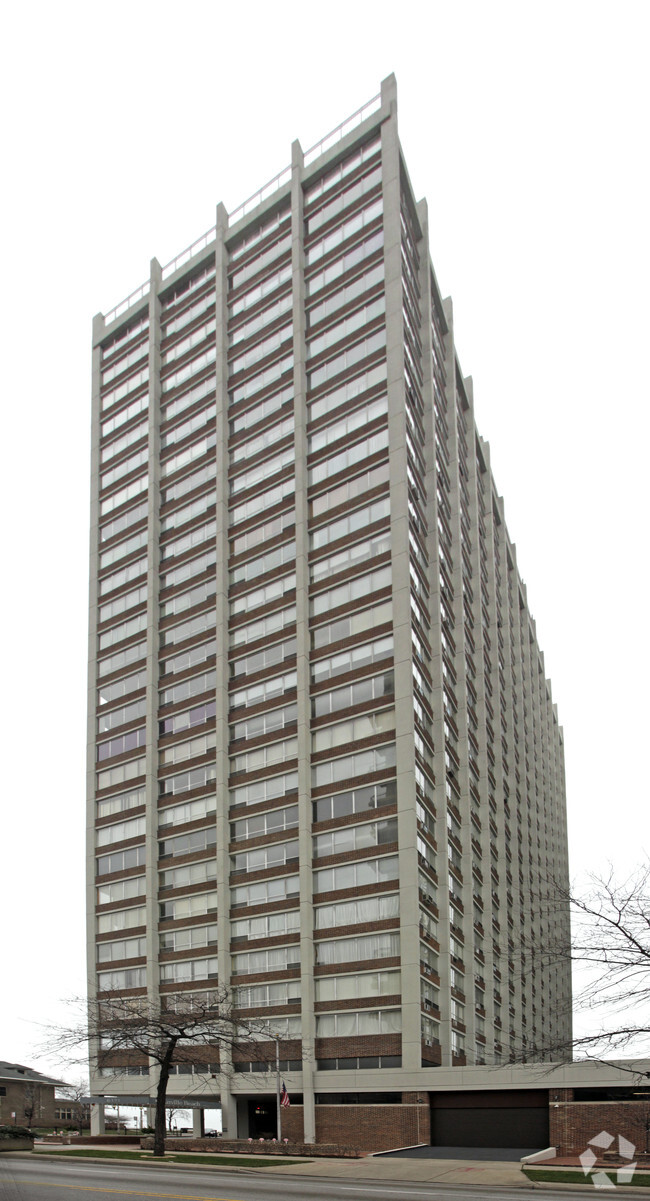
[(128, 1192)]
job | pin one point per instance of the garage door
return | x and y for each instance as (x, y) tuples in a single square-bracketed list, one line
[(490, 1119)]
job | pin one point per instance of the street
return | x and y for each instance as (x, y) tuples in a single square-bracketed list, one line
[(31, 1179)]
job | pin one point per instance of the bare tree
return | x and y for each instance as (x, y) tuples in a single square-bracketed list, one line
[(609, 947), (76, 1092), (119, 1032)]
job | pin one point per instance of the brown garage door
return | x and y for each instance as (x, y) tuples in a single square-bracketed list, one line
[(508, 1118)]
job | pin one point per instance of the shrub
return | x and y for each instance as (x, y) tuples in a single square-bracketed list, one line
[(15, 1132)]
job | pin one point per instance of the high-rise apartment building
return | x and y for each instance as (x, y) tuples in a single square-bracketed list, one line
[(325, 767)]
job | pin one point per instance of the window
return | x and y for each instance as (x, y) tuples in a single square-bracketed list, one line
[(264, 627), (120, 774), (122, 919), (183, 940), (276, 855), (368, 1021), (355, 838), (126, 629), (256, 693), (379, 758), (358, 800), (192, 749), (187, 844), (345, 295), (370, 689), (356, 950), (355, 658), (120, 861), (347, 326), (349, 457), (121, 890), (265, 595), (185, 907), (267, 926), (262, 995), (352, 556), (198, 777), (265, 823), (347, 359), (265, 756), (346, 263), (275, 959), (120, 746), (264, 563), (351, 523), (264, 288), (353, 913), (188, 629), (189, 811), (135, 977), (193, 873), (128, 600), (120, 831), (355, 875), (137, 542), (121, 802), (265, 891), (357, 623), (128, 948), (195, 537), (189, 969), (347, 229), (353, 730), (265, 790), (120, 717), (352, 590), (349, 490), (264, 723)]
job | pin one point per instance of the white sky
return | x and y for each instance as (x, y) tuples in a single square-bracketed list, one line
[(526, 127)]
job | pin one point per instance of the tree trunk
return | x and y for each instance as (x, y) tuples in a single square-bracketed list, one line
[(161, 1097)]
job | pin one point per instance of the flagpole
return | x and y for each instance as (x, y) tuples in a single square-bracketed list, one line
[(277, 1087)]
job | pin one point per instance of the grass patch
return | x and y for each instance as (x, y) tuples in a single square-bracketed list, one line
[(569, 1176), (230, 1161)]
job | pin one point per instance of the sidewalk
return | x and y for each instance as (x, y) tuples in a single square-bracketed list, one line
[(472, 1173)]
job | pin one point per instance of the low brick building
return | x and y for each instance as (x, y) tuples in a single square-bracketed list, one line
[(26, 1096)]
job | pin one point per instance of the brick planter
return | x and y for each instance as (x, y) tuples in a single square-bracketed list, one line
[(241, 1146), (16, 1144)]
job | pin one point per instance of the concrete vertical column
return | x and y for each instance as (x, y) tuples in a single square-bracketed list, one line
[(403, 656), (222, 669), (308, 1021), (91, 765), (97, 1118), (198, 1123), (427, 283), (441, 791), (153, 591)]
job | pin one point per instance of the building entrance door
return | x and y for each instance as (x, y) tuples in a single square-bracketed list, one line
[(262, 1117)]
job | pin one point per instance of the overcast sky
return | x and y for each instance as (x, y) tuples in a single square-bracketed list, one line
[(526, 127)]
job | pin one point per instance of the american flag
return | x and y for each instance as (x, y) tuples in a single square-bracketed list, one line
[(284, 1097)]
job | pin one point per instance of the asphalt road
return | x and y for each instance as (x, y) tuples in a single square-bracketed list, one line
[(31, 1180)]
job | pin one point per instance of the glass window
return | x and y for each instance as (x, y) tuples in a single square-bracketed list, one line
[(349, 457), (353, 913)]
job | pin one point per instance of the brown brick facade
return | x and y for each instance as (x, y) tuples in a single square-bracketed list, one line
[(32, 1103), (574, 1123)]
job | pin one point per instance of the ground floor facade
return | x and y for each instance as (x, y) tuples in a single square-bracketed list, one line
[(527, 1106)]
